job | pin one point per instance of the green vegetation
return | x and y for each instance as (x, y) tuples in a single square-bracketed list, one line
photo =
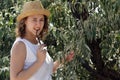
[(89, 27)]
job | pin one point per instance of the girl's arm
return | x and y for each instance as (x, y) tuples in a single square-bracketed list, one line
[(18, 55)]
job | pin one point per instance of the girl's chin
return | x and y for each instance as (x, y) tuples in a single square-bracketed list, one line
[(34, 35)]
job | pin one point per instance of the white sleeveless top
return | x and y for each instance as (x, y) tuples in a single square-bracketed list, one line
[(45, 71)]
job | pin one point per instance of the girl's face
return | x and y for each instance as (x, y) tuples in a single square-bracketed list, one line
[(34, 23)]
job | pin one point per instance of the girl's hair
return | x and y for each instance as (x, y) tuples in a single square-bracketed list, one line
[(21, 28)]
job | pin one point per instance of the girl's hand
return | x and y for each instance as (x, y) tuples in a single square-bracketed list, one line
[(41, 53), (70, 56), (67, 58)]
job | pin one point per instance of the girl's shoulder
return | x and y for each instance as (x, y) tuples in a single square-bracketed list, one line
[(18, 47)]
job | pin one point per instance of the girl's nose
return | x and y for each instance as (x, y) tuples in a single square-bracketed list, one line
[(37, 25)]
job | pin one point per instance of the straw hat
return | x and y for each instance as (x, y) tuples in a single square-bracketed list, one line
[(32, 8)]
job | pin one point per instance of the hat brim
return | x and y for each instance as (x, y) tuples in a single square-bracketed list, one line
[(33, 12)]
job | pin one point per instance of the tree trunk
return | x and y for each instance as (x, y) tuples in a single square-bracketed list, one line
[(102, 70)]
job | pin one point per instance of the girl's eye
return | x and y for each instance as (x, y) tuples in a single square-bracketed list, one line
[(41, 20), (34, 20)]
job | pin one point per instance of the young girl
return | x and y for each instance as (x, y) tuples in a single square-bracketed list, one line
[(29, 57)]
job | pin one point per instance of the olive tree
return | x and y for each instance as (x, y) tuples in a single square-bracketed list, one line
[(89, 27), (98, 36)]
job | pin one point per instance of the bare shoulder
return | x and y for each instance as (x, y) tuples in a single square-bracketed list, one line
[(19, 49), (19, 44)]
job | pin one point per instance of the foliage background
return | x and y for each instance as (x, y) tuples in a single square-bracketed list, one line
[(88, 27)]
